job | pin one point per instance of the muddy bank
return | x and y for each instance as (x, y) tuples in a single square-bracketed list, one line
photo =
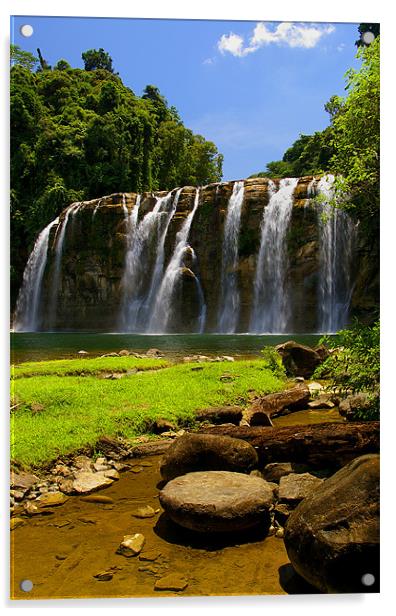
[(62, 551)]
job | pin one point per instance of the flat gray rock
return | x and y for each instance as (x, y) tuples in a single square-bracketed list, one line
[(296, 487), (217, 501)]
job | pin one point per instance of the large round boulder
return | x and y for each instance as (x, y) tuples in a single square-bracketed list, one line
[(332, 537), (218, 501), (207, 452), (300, 360)]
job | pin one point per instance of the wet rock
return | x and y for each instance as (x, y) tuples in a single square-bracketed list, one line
[(282, 512), (86, 482), (144, 512), (295, 487), (112, 474), (82, 352), (315, 388), (217, 501), (136, 469), (300, 360), (276, 470), (52, 499), (162, 425), (198, 452), (173, 581), (32, 509), (352, 405), (16, 522), (332, 537), (124, 353), (62, 470), (83, 463), (103, 576), (153, 353), (17, 494), (98, 498), (150, 555), (257, 417), (23, 480), (65, 485), (131, 545), (321, 402), (227, 358), (220, 415)]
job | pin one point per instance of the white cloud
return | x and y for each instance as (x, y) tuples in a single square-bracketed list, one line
[(285, 33), (208, 61)]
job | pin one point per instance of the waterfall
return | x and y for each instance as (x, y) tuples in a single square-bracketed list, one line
[(136, 299), (56, 274), (27, 318), (229, 299), (271, 302), (162, 310), (336, 241)]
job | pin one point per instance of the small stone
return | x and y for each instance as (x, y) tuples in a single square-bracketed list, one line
[(15, 522), (136, 469), (124, 353), (61, 556), (280, 533), (315, 387), (82, 352), (173, 581), (61, 469), (149, 555), (153, 353), (144, 512), (227, 358), (97, 498), (17, 494), (52, 499), (83, 463), (86, 520), (23, 480), (65, 485), (323, 402), (61, 524), (299, 379), (131, 545), (112, 474), (88, 482), (103, 576), (296, 487)]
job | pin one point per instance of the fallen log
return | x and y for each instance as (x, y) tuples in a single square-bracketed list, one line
[(326, 445), (293, 399)]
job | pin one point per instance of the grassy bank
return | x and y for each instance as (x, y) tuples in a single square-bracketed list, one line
[(75, 411), (85, 366)]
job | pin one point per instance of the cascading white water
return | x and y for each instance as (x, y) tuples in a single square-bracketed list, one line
[(336, 242), (162, 310), (271, 302), (27, 317), (135, 302), (229, 298), (56, 272)]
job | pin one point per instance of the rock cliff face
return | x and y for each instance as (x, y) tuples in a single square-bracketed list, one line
[(91, 266)]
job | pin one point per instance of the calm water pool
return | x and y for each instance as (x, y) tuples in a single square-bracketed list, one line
[(41, 346)]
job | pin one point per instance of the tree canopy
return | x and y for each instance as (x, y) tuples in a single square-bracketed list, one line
[(78, 134)]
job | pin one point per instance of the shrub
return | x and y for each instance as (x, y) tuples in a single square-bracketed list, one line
[(354, 366)]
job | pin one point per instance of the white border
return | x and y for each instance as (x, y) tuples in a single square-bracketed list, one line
[(335, 11)]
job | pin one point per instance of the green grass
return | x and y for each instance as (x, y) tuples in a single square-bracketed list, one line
[(82, 367), (78, 410)]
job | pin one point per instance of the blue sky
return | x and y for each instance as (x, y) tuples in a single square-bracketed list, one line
[(251, 87)]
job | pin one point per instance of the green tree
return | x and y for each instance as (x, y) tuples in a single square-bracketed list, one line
[(356, 140), (22, 58), (97, 59)]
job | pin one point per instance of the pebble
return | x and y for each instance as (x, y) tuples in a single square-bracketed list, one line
[(144, 512), (149, 555), (131, 545), (97, 498), (103, 576), (173, 581)]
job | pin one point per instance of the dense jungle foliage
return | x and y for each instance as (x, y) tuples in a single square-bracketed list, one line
[(78, 134)]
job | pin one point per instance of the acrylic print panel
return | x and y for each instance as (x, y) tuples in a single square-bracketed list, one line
[(195, 337)]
